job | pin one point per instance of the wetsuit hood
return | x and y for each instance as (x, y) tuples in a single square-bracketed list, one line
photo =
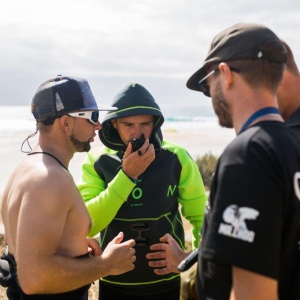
[(132, 100)]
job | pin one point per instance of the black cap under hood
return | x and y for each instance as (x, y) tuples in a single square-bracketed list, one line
[(132, 100)]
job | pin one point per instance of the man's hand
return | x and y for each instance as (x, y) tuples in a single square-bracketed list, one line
[(93, 247), (134, 164), (169, 254), (119, 257)]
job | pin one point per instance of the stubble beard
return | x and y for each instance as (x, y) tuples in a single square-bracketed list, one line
[(222, 108), (80, 146)]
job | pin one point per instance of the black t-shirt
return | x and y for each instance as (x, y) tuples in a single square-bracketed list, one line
[(252, 218)]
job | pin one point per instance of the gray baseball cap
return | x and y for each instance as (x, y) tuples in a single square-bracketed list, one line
[(240, 41), (61, 95)]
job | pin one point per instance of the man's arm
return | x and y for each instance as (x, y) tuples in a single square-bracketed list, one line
[(192, 195), (98, 197), (51, 232), (249, 285)]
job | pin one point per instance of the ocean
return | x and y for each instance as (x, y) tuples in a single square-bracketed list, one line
[(19, 118), (195, 128)]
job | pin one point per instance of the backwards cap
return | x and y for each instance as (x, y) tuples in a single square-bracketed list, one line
[(61, 95), (240, 41)]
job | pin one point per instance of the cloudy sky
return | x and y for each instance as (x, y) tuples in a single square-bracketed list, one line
[(158, 43)]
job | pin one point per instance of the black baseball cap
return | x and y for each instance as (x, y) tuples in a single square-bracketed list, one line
[(61, 95), (240, 41)]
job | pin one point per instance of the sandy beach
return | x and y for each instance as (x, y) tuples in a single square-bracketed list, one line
[(196, 142)]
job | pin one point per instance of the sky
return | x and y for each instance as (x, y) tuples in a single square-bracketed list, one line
[(157, 43)]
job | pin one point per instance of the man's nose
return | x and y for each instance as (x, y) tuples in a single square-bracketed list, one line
[(97, 126)]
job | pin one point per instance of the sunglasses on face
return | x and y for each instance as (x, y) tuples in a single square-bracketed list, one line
[(204, 86), (92, 116)]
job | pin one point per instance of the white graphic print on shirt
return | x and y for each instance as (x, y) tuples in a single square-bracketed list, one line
[(236, 223)]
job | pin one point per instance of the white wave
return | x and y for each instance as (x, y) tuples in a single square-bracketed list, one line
[(20, 118)]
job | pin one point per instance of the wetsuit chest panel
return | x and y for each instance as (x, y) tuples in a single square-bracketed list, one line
[(150, 211)]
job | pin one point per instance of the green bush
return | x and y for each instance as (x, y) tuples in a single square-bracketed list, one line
[(207, 164)]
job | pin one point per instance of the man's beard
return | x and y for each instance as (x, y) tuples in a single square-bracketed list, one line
[(80, 146), (222, 108)]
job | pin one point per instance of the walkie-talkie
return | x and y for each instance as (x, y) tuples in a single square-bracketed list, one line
[(137, 143), (189, 261)]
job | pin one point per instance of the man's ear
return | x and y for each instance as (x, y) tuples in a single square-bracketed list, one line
[(227, 74), (64, 122), (114, 123)]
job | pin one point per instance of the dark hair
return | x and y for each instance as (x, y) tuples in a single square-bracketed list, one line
[(290, 64)]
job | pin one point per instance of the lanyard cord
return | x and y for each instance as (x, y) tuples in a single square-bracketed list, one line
[(262, 112), (47, 153)]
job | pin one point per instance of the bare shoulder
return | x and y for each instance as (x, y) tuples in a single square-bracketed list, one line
[(44, 206), (43, 180), (39, 194)]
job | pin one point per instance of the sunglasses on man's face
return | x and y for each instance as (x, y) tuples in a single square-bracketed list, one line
[(92, 116), (204, 86)]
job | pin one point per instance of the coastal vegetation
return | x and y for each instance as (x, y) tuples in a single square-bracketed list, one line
[(207, 164)]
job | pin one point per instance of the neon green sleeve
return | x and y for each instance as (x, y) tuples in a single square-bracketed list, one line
[(192, 195), (102, 202)]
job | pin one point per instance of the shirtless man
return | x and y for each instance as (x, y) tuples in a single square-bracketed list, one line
[(45, 219)]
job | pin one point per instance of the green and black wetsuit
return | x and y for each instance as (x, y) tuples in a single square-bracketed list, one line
[(149, 208)]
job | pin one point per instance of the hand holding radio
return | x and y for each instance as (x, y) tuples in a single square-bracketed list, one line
[(137, 157), (137, 144)]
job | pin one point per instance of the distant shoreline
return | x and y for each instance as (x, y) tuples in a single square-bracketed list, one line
[(197, 144)]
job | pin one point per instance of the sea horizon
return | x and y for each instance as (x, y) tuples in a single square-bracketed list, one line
[(19, 117)]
